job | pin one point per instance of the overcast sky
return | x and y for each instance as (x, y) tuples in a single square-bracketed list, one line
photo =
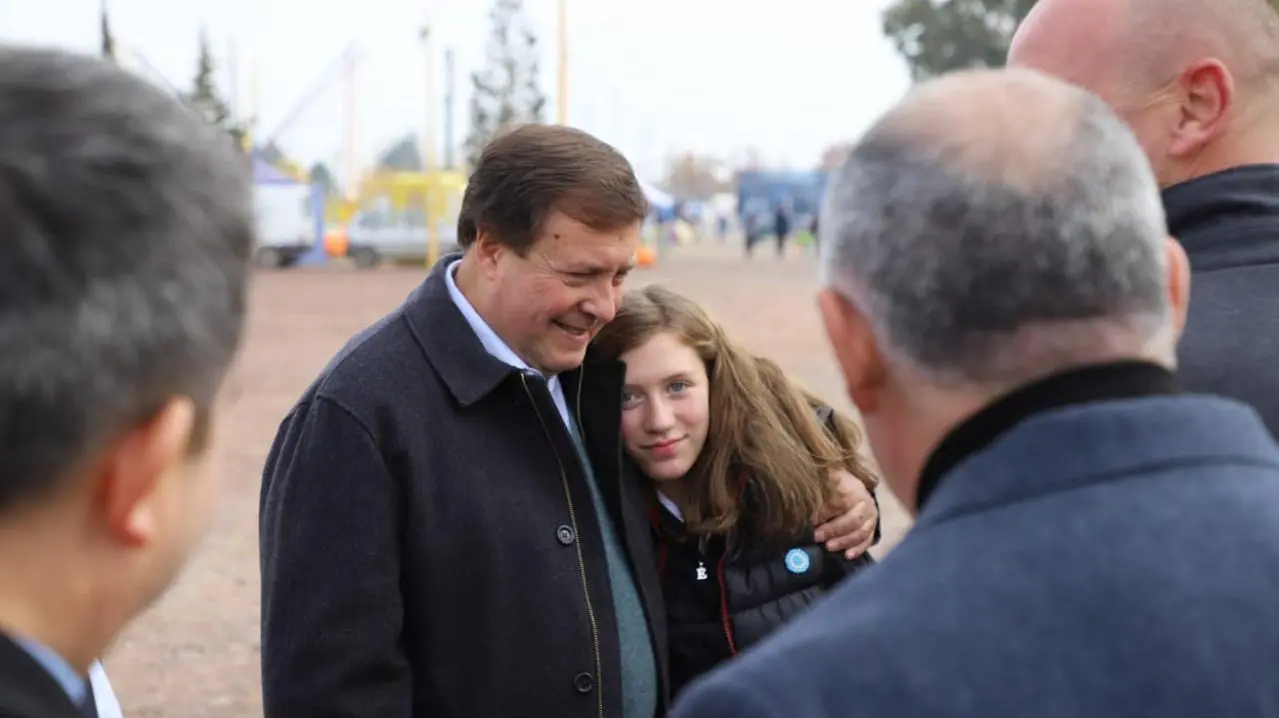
[(651, 76)]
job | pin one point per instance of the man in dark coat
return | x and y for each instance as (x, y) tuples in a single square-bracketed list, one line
[(1197, 83), (446, 527), (1005, 308), (128, 224)]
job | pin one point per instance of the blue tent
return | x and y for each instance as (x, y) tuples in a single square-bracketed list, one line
[(657, 198), (662, 204), (265, 173)]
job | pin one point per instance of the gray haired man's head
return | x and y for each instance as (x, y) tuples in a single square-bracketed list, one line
[(996, 226), (128, 223)]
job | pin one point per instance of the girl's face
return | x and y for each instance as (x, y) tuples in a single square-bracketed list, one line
[(665, 407)]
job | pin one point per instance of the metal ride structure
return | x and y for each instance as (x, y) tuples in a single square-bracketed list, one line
[(361, 189), (340, 69), (436, 185)]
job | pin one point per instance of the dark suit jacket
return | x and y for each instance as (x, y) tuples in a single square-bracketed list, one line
[(1110, 560), (26, 688), (429, 541)]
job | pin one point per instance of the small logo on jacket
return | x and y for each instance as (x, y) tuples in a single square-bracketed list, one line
[(797, 560)]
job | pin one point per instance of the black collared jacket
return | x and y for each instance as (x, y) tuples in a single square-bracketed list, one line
[(428, 542), (1229, 224), (725, 595)]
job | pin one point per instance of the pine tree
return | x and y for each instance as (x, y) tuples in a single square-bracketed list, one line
[(108, 41), (204, 96), (321, 176), (507, 92)]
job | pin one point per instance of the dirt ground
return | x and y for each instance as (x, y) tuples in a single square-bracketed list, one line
[(195, 655)]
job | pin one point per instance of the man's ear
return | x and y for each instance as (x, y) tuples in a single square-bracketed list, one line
[(487, 251), (132, 485), (856, 349), (1207, 92), (1178, 283)]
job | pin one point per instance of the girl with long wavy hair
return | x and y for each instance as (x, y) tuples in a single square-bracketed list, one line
[(742, 460)]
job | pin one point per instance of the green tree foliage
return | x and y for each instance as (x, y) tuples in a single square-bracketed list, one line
[(937, 36), (205, 97), (506, 92), (322, 176)]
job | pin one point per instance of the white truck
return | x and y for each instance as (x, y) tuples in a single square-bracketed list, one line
[(285, 223)]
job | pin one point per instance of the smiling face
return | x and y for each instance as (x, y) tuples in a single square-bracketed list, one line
[(548, 304), (665, 407)]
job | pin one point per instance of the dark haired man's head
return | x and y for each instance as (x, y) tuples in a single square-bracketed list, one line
[(123, 273), (550, 223)]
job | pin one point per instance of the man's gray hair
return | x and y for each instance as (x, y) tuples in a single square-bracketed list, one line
[(980, 257), (124, 265)]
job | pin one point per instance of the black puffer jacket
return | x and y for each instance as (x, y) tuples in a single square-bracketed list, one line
[(722, 599)]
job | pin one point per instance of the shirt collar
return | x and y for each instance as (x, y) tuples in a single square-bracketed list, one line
[(492, 343), (671, 506), (73, 683)]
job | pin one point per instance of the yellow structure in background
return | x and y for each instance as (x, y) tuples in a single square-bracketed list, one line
[(293, 169), (338, 211), (438, 193), (431, 190)]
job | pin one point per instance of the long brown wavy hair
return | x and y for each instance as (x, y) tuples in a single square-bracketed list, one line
[(764, 428)]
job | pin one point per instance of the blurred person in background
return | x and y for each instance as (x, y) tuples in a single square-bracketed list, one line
[(782, 226), (123, 276), (742, 463), (754, 228), (447, 526), (1198, 82), (1089, 542)]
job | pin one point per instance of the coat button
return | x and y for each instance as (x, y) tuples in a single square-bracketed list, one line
[(565, 535), (583, 682)]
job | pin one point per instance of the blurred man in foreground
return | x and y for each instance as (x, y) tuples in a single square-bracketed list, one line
[(1005, 305), (127, 232), (1198, 82)]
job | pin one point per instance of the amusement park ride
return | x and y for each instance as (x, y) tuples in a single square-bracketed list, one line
[(435, 192), (398, 193)]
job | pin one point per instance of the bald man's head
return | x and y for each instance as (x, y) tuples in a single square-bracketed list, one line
[(1009, 126), (1195, 79), (994, 228), (997, 224)]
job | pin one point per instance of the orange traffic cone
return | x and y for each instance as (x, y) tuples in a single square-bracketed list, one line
[(645, 256)]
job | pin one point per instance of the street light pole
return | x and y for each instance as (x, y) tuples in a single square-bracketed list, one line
[(562, 91), (450, 90), (352, 161), (428, 149)]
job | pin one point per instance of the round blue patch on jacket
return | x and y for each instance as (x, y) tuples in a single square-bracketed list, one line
[(797, 560)]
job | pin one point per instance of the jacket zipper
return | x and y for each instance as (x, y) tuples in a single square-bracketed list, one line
[(577, 541), (726, 618)]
